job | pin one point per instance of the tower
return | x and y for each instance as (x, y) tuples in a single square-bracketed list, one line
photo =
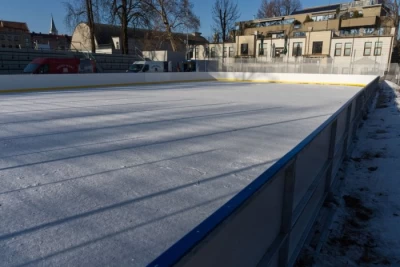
[(53, 29)]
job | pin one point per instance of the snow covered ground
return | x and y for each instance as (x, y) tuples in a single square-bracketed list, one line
[(366, 226), (116, 176)]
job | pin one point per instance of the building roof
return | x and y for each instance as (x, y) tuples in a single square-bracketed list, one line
[(53, 29), (104, 33), (316, 9), (22, 26)]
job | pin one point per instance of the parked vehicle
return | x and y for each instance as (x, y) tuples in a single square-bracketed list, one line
[(60, 66), (148, 66)]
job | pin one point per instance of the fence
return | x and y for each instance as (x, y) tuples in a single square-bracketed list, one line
[(267, 223), (366, 66)]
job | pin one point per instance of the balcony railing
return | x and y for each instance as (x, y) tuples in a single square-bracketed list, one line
[(359, 3)]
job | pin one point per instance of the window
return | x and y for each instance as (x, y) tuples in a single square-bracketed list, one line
[(323, 17), (244, 49), (367, 48), (317, 48), (280, 35), (231, 52), (225, 51), (297, 26), (196, 52), (338, 50), (299, 34), (9, 38), (2, 37), (212, 51), (261, 49), (44, 69), (116, 45), (297, 49), (3, 46), (378, 49), (207, 51), (347, 49), (16, 38), (9, 46)]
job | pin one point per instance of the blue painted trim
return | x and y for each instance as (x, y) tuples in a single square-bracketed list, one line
[(191, 239)]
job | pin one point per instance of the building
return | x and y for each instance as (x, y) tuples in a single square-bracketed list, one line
[(52, 40), (359, 32), (14, 34), (108, 39)]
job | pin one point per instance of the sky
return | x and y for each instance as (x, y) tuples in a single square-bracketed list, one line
[(37, 13)]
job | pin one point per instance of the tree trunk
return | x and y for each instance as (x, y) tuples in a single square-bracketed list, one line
[(89, 11), (124, 22), (168, 29)]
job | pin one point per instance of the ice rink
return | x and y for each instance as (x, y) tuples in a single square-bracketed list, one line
[(113, 177)]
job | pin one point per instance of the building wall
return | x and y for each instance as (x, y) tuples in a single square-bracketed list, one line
[(371, 11), (10, 38), (250, 40), (81, 38), (270, 44), (357, 50), (320, 36), (217, 48)]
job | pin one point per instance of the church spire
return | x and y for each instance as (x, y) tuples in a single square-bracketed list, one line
[(53, 29)]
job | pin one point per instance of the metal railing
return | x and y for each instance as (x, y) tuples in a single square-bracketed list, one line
[(302, 65), (267, 223)]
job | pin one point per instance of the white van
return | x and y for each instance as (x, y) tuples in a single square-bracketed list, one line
[(148, 66)]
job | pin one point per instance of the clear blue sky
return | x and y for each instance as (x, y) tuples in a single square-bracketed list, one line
[(37, 12)]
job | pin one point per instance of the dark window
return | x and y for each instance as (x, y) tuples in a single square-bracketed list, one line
[(261, 50), (297, 49), (367, 48), (378, 49), (244, 49), (299, 34), (146, 68), (212, 51), (2, 37), (225, 51), (44, 69), (317, 48), (338, 50), (207, 51), (347, 49), (230, 51)]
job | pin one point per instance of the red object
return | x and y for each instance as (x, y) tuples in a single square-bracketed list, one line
[(60, 66)]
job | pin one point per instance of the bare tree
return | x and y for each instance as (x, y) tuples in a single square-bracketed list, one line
[(78, 11), (126, 12), (269, 8), (288, 6), (276, 8), (392, 9), (173, 15), (225, 13)]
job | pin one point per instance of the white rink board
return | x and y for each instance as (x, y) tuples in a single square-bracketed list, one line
[(116, 176)]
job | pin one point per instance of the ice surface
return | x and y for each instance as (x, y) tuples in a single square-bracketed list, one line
[(116, 176)]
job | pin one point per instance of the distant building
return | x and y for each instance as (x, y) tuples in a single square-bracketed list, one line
[(108, 39), (51, 41), (14, 35), (359, 32)]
